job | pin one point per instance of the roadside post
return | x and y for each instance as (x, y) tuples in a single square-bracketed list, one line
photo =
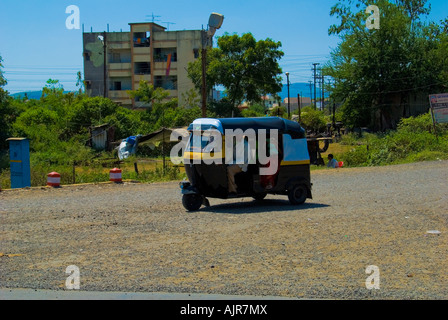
[(115, 175), (19, 157), (54, 180)]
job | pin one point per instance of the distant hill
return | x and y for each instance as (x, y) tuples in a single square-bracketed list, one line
[(30, 94), (300, 87), (294, 89)]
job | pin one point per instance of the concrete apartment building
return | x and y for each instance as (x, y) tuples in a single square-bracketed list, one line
[(148, 52)]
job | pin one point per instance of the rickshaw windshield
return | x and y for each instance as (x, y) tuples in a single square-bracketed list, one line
[(199, 143)]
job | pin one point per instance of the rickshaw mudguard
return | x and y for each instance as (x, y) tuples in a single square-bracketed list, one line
[(291, 175), (208, 180), (300, 180), (187, 188)]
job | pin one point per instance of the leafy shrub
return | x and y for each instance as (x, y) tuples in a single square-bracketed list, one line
[(412, 141), (422, 123), (313, 119), (356, 157)]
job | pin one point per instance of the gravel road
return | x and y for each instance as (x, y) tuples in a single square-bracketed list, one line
[(139, 238)]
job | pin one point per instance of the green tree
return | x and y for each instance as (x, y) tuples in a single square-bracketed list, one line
[(7, 112), (313, 119), (3, 82), (80, 83), (278, 111), (376, 72), (191, 99), (87, 112), (146, 92), (254, 110), (161, 108), (52, 87), (247, 68)]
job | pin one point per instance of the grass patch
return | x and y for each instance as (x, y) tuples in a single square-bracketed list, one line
[(413, 141), (149, 170)]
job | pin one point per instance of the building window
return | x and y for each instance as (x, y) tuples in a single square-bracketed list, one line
[(115, 58), (142, 68), (117, 85), (196, 53), (167, 83), (161, 54), (87, 56), (141, 39)]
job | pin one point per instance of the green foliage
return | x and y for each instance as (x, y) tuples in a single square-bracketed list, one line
[(254, 110), (413, 141), (224, 108), (147, 93), (190, 99), (162, 111), (371, 68), (247, 68), (355, 157), (419, 124), (58, 128), (7, 113), (313, 119), (278, 112), (89, 112)]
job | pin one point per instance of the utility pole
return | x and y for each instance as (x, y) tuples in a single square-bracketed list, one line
[(204, 89), (204, 67), (311, 93), (323, 91), (315, 76), (289, 103), (334, 116), (329, 105), (300, 106), (105, 66)]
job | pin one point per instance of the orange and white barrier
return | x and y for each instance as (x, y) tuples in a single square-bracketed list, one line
[(115, 175), (54, 179)]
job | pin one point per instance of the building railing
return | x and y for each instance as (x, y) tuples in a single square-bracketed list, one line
[(141, 42)]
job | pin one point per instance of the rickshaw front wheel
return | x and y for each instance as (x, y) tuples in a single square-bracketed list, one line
[(298, 194), (192, 202)]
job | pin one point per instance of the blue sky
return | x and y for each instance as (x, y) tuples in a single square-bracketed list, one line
[(36, 45)]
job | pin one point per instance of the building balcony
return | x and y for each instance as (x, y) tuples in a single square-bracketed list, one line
[(142, 51), (160, 68), (117, 94), (118, 45), (120, 96), (119, 70), (140, 77)]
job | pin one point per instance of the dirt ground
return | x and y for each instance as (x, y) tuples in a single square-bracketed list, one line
[(139, 238)]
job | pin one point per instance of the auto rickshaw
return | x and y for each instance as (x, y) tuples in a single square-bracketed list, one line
[(211, 180)]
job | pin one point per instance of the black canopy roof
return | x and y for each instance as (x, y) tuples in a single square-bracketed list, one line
[(283, 125)]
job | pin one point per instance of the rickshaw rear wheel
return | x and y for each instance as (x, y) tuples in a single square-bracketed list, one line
[(259, 196), (192, 202), (298, 194)]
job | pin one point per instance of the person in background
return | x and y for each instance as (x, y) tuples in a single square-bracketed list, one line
[(332, 163)]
